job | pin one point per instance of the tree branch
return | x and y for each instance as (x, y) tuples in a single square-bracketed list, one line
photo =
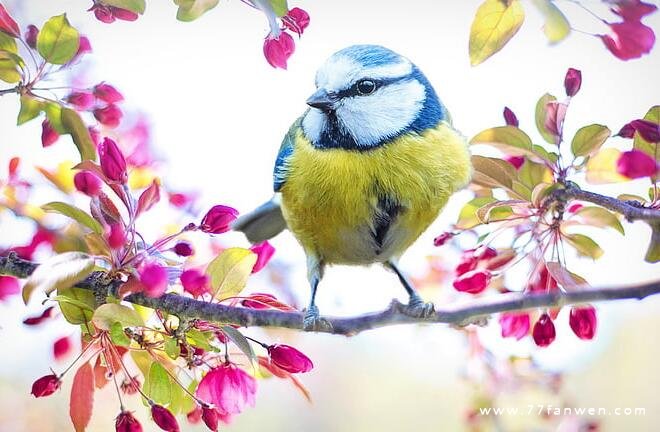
[(458, 314), (628, 209)]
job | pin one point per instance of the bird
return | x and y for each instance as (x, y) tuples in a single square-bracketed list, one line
[(364, 171)]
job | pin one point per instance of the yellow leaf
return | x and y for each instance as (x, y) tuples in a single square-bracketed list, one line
[(601, 168), (230, 271), (556, 26), (140, 178), (494, 24)]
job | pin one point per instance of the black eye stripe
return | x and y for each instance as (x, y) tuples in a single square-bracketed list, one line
[(353, 89)]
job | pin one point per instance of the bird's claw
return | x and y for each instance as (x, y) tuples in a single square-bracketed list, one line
[(314, 322), (418, 308)]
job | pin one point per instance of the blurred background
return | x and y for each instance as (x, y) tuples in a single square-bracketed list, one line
[(217, 113)]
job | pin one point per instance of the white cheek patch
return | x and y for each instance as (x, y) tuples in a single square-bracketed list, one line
[(383, 114)]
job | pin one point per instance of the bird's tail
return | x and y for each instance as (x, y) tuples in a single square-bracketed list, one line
[(263, 223)]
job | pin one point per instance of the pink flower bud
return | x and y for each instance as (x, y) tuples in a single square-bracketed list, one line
[(572, 81), (485, 253), (636, 164), (510, 118), (218, 219), (514, 324), (443, 238), (36, 320), (123, 14), (473, 282), (583, 321), (629, 39), (627, 131), (9, 287), (116, 236), (574, 208), (81, 100), (113, 163), (46, 386), (61, 347), (259, 301), (7, 23), (296, 20), (183, 249), (278, 50), (164, 418), (210, 418), (107, 93), (84, 47), (544, 331), (264, 253), (468, 262), (516, 161), (31, 36), (103, 14), (649, 130), (194, 416), (194, 282), (154, 279), (125, 422), (87, 183), (48, 134), (109, 116), (290, 359)]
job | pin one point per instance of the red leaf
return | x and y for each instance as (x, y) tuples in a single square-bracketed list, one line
[(149, 197), (82, 397)]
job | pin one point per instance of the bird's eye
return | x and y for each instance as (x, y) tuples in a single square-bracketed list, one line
[(365, 87)]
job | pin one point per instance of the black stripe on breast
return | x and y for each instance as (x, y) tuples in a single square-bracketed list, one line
[(387, 210)]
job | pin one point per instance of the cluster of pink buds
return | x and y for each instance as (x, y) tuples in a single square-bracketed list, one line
[(279, 45), (474, 271), (636, 163), (630, 39), (102, 101)]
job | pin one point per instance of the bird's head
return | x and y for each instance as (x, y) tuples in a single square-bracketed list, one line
[(367, 95)]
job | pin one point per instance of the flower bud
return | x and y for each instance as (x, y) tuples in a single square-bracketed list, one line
[(36, 320), (259, 301), (164, 418), (544, 331), (443, 238), (154, 279), (627, 131), (485, 253), (123, 14), (574, 208), (81, 100), (583, 321), (109, 116), (572, 81), (31, 36), (514, 324), (125, 422), (87, 183), (473, 282), (61, 347), (48, 134), (84, 46), (648, 130), (103, 14), (194, 416), (9, 287), (218, 219), (510, 118), (107, 93), (116, 235), (516, 161), (278, 50), (290, 359), (194, 282), (7, 24), (296, 20), (264, 253), (113, 163), (210, 418), (46, 386), (183, 249), (636, 164)]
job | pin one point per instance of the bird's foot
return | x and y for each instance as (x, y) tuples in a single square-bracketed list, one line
[(314, 322), (418, 308)]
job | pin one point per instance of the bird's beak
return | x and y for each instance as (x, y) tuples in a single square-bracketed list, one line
[(321, 100)]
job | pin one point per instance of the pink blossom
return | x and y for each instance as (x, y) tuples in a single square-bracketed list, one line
[(473, 282), (194, 282), (633, 10), (123, 14), (183, 249), (296, 20), (629, 40), (113, 163), (116, 235), (109, 116), (61, 347), (125, 422), (48, 134), (9, 287), (544, 331), (443, 238), (648, 130), (87, 183), (164, 418), (154, 279), (36, 320), (7, 23), (84, 47), (574, 208), (636, 164), (290, 359), (572, 81), (107, 93), (514, 324), (229, 388), (583, 322), (516, 161), (31, 36), (264, 253), (627, 131), (46, 386), (509, 117), (81, 100), (218, 219), (210, 418), (103, 13), (277, 50)]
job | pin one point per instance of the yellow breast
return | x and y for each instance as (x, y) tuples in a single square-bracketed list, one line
[(331, 196)]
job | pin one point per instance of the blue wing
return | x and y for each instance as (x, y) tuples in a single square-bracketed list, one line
[(281, 169)]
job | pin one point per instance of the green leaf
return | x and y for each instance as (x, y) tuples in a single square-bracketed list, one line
[(564, 277), (589, 139), (494, 24), (532, 174), (190, 10), (556, 26), (77, 305), (599, 217), (539, 117), (30, 109), (585, 246), (240, 341), (10, 67), (653, 251), (58, 272), (74, 213), (118, 336), (639, 143), (500, 210), (79, 133), (200, 339), (230, 270), (497, 173), (57, 41), (159, 386), (137, 6), (171, 347), (280, 7), (467, 217), (54, 115), (8, 44), (509, 139), (108, 314)]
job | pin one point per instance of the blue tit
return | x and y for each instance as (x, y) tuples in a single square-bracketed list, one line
[(365, 170)]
